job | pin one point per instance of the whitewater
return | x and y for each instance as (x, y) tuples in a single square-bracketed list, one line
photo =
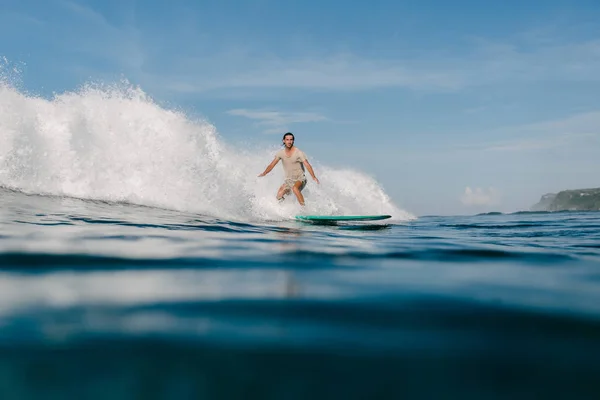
[(115, 143)]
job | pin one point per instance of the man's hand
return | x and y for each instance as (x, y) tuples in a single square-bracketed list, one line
[(316, 180)]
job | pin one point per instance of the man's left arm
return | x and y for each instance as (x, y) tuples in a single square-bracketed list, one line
[(310, 170)]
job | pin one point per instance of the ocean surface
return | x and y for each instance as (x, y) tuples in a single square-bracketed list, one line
[(141, 258), (107, 300)]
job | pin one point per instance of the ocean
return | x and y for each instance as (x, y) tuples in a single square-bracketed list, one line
[(141, 257)]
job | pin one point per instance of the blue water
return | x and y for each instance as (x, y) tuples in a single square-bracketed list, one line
[(142, 258), (112, 300)]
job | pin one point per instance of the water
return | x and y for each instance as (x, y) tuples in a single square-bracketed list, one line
[(142, 258)]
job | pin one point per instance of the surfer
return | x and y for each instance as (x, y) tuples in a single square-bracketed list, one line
[(293, 160)]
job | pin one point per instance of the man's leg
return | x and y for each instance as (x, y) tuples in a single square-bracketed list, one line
[(297, 189), (283, 190)]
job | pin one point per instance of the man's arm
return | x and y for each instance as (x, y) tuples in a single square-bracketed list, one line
[(270, 167), (310, 170)]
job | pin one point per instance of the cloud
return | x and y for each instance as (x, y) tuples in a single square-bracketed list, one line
[(20, 18), (480, 197), (558, 133), (483, 63), (528, 144), (475, 110), (527, 61), (86, 13), (277, 121), (164, 61), (340, 72)]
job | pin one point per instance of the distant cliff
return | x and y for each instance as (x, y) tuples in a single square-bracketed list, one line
[(570, 200)]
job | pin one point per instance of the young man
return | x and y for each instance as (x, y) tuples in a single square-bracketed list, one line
[(293, 160)]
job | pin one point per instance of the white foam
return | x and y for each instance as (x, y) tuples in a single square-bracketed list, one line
[(116, 144)]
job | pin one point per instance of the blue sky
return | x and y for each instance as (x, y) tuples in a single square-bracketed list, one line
[(455, 107)]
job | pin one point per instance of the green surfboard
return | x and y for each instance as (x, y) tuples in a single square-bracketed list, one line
[(336, 218)]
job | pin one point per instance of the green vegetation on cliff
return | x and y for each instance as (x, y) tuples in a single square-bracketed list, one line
[(570, 200)]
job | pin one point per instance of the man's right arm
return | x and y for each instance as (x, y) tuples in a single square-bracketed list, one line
[(270, 166)]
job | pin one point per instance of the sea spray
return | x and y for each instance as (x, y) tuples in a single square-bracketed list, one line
[(114, 143)]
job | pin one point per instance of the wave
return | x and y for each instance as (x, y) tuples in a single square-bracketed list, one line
[(114, 143)]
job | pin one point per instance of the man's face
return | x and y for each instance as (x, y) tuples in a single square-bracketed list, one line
[(288, 141)]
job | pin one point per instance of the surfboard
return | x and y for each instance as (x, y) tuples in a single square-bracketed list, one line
[(336, 218)]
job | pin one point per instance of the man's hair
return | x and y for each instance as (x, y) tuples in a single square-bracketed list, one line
[(289, 133)]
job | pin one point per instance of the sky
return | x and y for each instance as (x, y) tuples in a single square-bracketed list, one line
[(454, 107)]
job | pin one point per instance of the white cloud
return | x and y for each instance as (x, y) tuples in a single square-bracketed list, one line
[(484, 63), (340, 72), (159, 61), (558, 133), (86, 13), (202, 66), (528, 144), (20, 18), (480, 197), (520, 61), (277, 121)]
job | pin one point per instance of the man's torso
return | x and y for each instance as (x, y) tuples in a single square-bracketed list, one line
[(293, 165)]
